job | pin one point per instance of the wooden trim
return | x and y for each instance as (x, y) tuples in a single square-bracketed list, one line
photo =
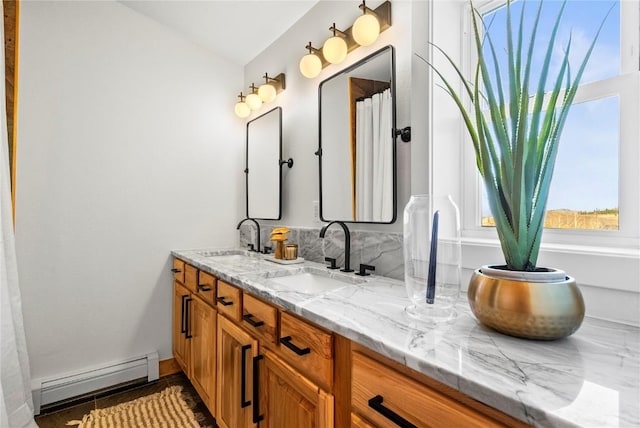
[(342, 380), (11, 10), (168, 367)]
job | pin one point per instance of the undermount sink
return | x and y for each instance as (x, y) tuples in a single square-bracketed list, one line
[(313, 281), (237, 261)]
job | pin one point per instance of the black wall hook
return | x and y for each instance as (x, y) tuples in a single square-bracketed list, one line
[(288, 162), (404, 133)]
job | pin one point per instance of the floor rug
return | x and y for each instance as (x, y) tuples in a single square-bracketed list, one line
[(163, 409)]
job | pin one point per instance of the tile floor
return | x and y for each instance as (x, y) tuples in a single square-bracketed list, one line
[(57, 417)]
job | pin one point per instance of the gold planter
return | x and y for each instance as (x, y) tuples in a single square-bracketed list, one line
[(531, 305)]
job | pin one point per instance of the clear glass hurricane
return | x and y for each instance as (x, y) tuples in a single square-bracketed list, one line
[(432, 257)]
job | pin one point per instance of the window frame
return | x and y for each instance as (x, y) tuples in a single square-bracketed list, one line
[(624, 241)]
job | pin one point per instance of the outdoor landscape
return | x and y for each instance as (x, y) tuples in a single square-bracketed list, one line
[(606, 219)]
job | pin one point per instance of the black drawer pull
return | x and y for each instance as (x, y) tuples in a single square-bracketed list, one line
[(223, 302), (183, 328), (286, 341), (174, 270), (187, 333), (203, 287), (376, 404), (257, 417), (243, 377), (249, 318)]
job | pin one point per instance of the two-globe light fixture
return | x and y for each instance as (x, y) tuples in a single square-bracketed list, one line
[(265, 94), (364, 32)]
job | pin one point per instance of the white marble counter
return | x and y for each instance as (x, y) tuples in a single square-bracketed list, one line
[(590, 379)]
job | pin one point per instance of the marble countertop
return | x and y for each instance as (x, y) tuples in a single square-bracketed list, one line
[(590, 379)]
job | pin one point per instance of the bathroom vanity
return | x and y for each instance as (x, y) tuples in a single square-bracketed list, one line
[(302, 346)]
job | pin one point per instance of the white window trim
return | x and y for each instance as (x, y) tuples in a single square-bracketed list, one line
[(606, 272), (626, 240)]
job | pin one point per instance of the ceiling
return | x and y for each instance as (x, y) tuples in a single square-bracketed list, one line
[(237, 30)]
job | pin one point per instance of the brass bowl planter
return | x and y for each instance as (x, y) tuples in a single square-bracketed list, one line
[(533, 305)]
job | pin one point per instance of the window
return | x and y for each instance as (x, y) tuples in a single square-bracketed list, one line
[(594, 197)]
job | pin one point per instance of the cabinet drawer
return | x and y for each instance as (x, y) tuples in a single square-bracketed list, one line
[(260, 318), (229, 301), (207, 288), (378, 389), (178, 270), (190, 277), (308, 348)]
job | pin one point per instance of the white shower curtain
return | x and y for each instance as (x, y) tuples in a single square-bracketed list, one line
[(16, 404), (374, 158)]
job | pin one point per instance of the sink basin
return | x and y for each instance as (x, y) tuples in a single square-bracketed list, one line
[(235, 261), (313, 281)]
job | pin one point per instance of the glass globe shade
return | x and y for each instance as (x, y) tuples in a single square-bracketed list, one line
[(267, 93), (242, 109), (253, 101), (310, 66), (365, 30), (335, 50)]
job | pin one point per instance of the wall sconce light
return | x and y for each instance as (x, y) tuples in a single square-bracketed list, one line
[(366, 28), (272, 87), (335, 48), (364, 32), (242, 109), (311, 63), (253, 99)]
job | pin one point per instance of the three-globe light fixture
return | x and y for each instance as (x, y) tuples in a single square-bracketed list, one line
[(364, 32), (266, 93)]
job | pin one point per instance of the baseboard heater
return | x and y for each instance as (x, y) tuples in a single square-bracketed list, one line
[(69, 385)]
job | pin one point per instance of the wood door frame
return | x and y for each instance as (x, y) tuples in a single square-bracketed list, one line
[(11, 10)]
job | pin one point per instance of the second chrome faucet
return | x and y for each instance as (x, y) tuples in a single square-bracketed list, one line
[(347, 243)]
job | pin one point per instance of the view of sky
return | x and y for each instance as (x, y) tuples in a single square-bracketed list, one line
[(586, 173)]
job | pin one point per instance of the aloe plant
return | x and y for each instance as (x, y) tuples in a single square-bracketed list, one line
[(516, 145)]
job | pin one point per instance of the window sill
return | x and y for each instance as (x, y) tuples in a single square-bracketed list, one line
[(603, 267)]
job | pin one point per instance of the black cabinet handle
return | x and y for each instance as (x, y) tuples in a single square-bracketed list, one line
[(223, 302), (187, 334), (376, 404), (203, 287), (257, 417), (174, 270), (249, 318), (243, 377), (183, 328), (286, 341)]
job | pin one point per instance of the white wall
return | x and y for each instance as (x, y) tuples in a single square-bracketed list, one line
[(125, 133), (299, 100)]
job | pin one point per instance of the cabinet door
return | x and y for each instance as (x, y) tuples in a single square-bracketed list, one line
[(203, 351), (180, 343), (236, 350), (288, 399)]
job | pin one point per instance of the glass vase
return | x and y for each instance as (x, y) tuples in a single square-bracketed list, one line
[(432, 257)]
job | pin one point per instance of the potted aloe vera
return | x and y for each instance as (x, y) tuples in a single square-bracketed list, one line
[(515, 134)]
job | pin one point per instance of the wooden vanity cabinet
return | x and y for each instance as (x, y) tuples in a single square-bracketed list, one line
[(194, 334), (236, 353), (288, 399), (229, 301), (180, 341), (384, 397)]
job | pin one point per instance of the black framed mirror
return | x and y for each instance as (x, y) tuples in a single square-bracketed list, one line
[(356, 150), (263, 166)]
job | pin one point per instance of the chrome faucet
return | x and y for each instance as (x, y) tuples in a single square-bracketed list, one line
[(347, 244), (257, 247)]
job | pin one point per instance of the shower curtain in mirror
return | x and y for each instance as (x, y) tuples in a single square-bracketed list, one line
[(16, 404), (374, 158)]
